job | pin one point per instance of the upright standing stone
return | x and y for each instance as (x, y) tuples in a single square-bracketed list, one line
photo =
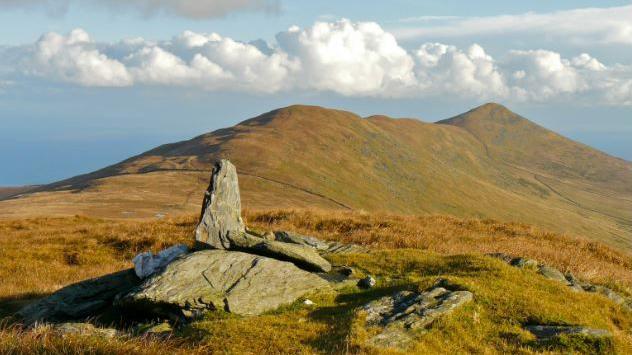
[(221, 210)]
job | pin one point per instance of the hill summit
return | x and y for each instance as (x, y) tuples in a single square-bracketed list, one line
[(487, 163)]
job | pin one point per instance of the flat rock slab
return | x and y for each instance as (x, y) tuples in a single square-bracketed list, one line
[(236, 282), (404, 312), (302, 255), (320, 245), (79, 300), (340, 248), (296, 238)]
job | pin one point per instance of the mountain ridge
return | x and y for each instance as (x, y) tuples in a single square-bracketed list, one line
[(485, 163)]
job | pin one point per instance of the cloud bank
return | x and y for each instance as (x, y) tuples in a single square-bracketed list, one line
[(194, 9), (343, 57), (581, 26)]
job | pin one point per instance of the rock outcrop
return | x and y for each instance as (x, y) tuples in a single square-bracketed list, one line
[(233, 269), (79, 300), (236, 282), (221, 226), (221, 209), (405, 312)]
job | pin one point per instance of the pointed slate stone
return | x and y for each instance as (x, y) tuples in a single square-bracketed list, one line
[(221, 209)]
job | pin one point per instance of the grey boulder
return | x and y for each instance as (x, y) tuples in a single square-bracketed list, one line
[(206, 280), (552, 273)]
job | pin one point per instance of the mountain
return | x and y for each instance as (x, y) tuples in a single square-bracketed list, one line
[(486, 163), (10, 191)]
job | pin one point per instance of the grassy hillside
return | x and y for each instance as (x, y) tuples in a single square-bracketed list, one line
[(38, 256), (487, 163)]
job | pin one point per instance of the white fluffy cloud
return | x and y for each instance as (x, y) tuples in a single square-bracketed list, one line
[(347, 58), (449, 70), (75, 59), (541, 74), (212, 62), (196, 9)]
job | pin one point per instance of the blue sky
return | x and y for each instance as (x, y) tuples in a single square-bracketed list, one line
[(86, 84)]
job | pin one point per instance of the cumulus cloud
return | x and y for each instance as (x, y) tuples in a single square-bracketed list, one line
[(343, 57), (349, 58), (75, 59), (212, 62), (590, 25), (449, 70), (542, 74), (196, 9)]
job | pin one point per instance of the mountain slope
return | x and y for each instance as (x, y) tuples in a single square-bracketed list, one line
[(487, 163), (6, 192), (514, 139)]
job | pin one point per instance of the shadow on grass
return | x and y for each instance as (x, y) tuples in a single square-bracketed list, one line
[(9, 305), (341, 316), (580, 344), (406, 263)]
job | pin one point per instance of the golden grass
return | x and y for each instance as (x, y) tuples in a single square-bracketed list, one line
[(14, 340), (38, 256), (447, 235)]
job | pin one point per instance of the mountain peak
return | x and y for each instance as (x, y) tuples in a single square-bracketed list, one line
[(489, 113), (489, 106), (296, 113)]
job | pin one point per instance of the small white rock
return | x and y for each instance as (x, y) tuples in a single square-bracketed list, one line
[(147, 263), (308, 302)]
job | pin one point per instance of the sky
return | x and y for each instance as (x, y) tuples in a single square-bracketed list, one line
[(85, 84)]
